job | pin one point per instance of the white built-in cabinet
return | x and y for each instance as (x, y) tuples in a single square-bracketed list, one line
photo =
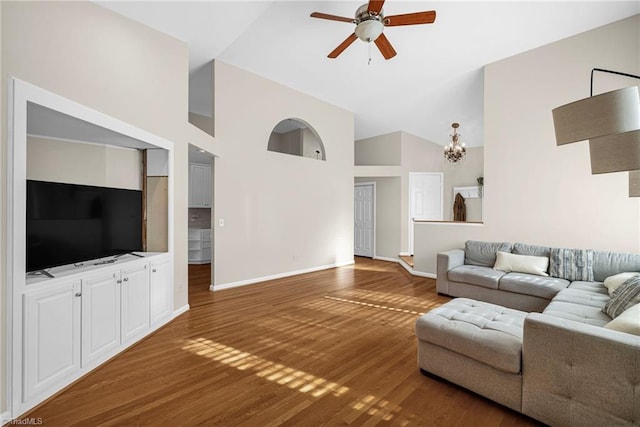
[(51, 334), (161, 293), (74, 323), (199, 185)]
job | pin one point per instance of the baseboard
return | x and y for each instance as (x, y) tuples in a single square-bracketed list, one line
[(276, 276), (181, 310), (423, 274), (404, 254), (384, 258), (5, 417)]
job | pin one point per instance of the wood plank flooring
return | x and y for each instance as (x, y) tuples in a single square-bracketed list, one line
[(334, 347)]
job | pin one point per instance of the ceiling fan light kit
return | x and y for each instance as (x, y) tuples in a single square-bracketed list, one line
[(370, 23), (370, 30)]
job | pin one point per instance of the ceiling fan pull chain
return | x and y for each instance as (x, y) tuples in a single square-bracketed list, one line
[(369, 63)]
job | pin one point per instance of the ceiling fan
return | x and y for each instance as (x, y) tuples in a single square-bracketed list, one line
[(370, 22)]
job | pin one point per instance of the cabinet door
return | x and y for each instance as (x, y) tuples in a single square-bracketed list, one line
[(100, 317), (199, 186), (135, 303), (161, 291), (51, 338)]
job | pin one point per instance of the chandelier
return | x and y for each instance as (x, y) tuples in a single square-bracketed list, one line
[(455, 152)]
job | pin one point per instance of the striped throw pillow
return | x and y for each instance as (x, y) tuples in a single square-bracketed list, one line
[(571, 264), (626, 296)]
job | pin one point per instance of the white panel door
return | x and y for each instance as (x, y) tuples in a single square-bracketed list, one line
[(425, 199), (364, 227), (135, 303), (51, 338), (100, 317), (161, 291)]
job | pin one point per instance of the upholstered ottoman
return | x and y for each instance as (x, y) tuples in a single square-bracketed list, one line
[(476, 345)]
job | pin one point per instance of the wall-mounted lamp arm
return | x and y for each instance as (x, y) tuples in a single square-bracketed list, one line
[(611, 72)]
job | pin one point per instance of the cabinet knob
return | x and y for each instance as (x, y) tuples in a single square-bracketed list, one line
[(126, 279), (153, 271), (78, 294), (119, 281)]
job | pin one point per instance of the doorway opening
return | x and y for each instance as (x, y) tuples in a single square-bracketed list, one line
[(200, 224), (425, 199)]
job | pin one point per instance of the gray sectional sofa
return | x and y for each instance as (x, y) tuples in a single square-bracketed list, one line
[(533, 343), (469, 273)]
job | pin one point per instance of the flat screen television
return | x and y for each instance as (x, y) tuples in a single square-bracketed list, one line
[(71, 223)]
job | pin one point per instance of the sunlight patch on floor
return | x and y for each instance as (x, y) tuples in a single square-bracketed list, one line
[(367, 304), (271, 371)]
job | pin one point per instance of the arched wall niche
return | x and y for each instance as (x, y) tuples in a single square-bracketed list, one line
[(298, 138)]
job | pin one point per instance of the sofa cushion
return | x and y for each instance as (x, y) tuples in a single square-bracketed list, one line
[(607, 264), (577, 312), (483, 253), (624, 297), (571, 264), (529, 284), (535, 250), (596, 287), (586, 297), (476, 275), (521, 263), (488, 333), (628, 321)]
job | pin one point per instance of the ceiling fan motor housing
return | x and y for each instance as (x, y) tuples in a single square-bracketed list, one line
[(369, 25)]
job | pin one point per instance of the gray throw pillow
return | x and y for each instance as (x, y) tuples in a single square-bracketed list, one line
[(624, 297), (571, 264)]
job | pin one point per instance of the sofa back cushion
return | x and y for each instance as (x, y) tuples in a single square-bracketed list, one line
[(607, 264), (483, 253), (533, 250)]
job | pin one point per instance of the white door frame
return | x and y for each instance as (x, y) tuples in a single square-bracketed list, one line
[(410, 224), (373, 209)]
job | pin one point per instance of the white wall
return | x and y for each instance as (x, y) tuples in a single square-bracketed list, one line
[(535, 191), (281, 213), (382, 150), (102, 60), (87, 164)]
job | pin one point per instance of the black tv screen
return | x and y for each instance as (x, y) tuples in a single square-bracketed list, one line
[(70, 223)]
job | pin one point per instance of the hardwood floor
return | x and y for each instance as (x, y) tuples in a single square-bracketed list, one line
[(334, 347), (199, 282)]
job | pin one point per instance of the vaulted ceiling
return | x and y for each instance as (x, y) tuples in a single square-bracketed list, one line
[(436, 78)]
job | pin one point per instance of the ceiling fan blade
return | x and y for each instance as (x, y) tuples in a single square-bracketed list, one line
[(385, 47), (375, 6), (330, 17), (410, 19), (345, 44)]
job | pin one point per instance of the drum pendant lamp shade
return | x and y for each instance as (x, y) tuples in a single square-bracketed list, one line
[(634, 183), (605, 114), (615, 153)]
